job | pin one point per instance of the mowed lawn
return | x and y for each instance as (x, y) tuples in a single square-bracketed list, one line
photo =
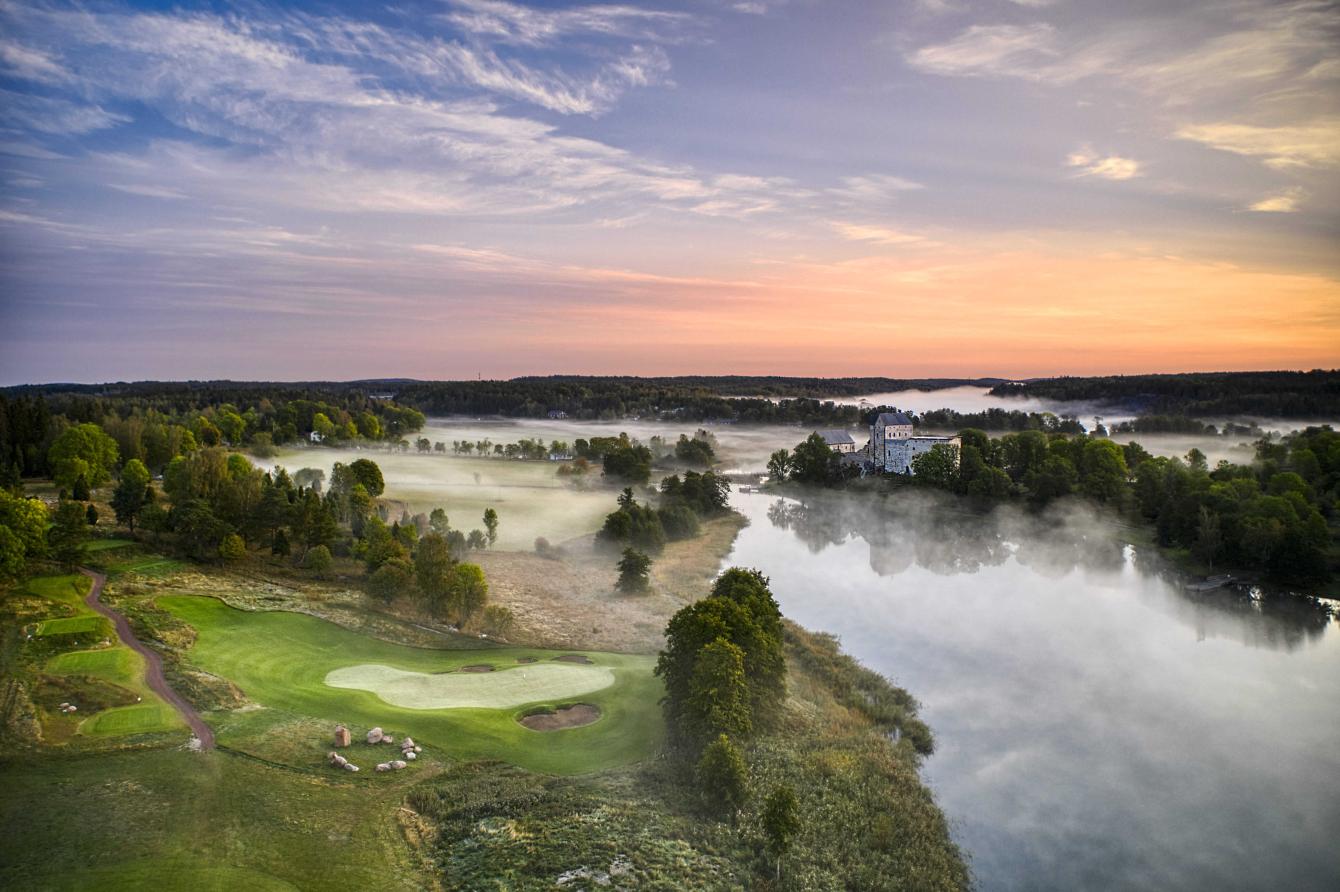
[(281, 660)]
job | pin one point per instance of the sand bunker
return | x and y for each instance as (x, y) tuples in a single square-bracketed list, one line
[(564, 717), (477, 667), (574, 658), (526, 660), (488, 690)]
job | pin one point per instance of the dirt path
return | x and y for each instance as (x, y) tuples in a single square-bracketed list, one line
[(153, 663)]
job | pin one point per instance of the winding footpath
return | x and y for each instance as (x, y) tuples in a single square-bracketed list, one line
[(153, 663)]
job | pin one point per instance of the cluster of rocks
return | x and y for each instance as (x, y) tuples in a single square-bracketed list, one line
[(68, 708), (409, 750), (340, 762)]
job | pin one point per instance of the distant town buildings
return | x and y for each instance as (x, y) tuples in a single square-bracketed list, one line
[(557, 414)]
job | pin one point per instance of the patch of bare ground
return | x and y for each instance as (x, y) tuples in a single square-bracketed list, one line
[(573, 716), (570, 602), (477, 667), (573, 658)]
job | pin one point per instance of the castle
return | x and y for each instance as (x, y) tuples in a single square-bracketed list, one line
[(893, 446)]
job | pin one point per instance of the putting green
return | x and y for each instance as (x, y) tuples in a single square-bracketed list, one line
[(285, 660), (489, 690)]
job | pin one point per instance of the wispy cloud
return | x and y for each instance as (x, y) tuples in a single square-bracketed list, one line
[(1110, 167), (878, 235), (1285, 202), (515, 23), (1314, 144)]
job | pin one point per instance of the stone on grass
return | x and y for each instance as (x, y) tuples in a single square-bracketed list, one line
[(375, 735), (398, 764), (387, 738), (342, 736), (383, 766), (350, 766), (411, 756)]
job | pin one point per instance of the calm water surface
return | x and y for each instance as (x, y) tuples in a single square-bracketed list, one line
[(1096, 727)]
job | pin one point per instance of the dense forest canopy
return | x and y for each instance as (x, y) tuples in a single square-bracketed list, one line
[(1314, 394)]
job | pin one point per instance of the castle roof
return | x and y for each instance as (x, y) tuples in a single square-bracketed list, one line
[(886, 419), (836, 438)]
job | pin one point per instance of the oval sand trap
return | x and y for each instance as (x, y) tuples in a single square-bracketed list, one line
[(487, 690), (573, 716)]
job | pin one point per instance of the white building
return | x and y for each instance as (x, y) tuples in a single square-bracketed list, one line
[(893, 446), (838, 441)]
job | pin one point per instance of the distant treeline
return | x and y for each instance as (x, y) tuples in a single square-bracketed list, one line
[(1314, 394), (156, 422)]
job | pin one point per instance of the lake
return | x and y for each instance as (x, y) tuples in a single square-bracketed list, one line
[(1096, 726)]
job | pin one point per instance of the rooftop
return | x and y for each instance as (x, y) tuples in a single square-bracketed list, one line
[(888, 418), (836, 438)]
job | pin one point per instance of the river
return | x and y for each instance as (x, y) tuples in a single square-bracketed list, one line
[(1096, 726)]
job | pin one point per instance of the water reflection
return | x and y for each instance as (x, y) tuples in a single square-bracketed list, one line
[(922, 531), (1097, 726)]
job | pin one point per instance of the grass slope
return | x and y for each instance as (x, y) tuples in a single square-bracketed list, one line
[(281, 660), (168, 820)]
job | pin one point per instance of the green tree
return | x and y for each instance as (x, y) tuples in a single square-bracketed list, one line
[(393, 578), (718, 701), (723, 778), (779, 465), (81, 491), (780, 822), (491, 525), (814, 462), (366, 472), (232, 548), (469, 591), (1103, 470), (279, 545), (82, 449), (68, 533), (634, 572), (23, 533), (1209, 536), (91, 515), (132, 493), (938, 467), (432, 569)]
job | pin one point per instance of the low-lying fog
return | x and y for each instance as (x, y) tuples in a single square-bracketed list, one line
[(1096, 726)]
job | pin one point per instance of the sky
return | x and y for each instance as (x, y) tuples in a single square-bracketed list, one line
[(465, 188)]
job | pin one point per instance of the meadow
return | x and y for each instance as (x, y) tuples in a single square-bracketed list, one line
[(282, 660)]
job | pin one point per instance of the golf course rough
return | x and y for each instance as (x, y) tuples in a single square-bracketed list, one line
[(488, 690), (283, 660)]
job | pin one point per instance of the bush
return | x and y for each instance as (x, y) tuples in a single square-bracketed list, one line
[(318, 561), (232, 548)]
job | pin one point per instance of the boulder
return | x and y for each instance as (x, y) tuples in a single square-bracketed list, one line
[(387, 738), (398, 764), (350, 766), (375, 735), (383, 766), (342, 736), (411, 756), (407, 743)]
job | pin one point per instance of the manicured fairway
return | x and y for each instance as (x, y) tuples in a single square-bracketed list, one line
[(282, 660), (516, 686)]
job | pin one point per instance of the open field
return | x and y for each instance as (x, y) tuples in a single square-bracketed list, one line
[(530, 498), (281, 660)]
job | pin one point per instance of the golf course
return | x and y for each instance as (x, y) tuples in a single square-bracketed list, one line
[(466, 703)]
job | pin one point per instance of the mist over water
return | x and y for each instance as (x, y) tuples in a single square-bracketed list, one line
[(1096, 726)]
